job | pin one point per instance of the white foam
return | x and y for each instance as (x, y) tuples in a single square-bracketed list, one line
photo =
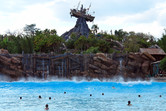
[(117, 79)]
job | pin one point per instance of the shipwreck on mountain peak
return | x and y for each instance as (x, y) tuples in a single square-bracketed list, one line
[(81, 27)]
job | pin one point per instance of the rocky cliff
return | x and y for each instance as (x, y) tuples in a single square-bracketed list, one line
[(10, 66), (100, 65), (128, 66), (81, 28), (137, 65)]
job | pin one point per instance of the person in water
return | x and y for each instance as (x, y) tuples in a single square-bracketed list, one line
[(46, 107), (20, 97), (139, 95), (49, 98), (129, 103), (113, 87), (40, 97)]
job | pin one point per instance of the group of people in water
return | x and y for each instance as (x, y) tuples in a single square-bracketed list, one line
[(129, 102), (47, 108)]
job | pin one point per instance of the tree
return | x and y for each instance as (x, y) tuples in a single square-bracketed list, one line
[(4, 43), (131, 44), (70, 42), (54, 43), (95, 28), (92, 42), (104, 46), (121, 35), (30, 29), (81, 43), (163, 64), (92, 50), (162, 42), (47, 40)]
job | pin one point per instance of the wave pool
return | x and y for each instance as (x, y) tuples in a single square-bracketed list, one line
[(77, 97)]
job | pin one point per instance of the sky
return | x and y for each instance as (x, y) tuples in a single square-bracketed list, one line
[(147, 16)]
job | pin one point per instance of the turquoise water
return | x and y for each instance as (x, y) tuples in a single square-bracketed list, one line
[(77, 97)]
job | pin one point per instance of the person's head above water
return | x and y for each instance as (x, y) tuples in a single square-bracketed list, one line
[(46, 107), (129, 103), (113, 87), (20, 97), (40, 97)]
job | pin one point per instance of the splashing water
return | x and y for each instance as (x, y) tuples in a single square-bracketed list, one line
[(120, 66)]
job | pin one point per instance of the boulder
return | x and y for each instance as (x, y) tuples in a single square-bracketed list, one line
[(14, 60), (104, 67), (3, 51), (149, 56), (102, 55), (91, 66), (97, 64), (10, 66), (145, 67)]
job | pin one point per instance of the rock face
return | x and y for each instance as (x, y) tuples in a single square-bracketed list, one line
[(3, 51), (129, 66), (10, 66), (137, 65), (81, 28), (102, 66)]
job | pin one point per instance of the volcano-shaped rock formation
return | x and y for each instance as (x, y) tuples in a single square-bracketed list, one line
[(81, 28)]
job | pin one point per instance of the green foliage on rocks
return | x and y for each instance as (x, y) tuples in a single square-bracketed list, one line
[(134, 41), (44, 41), (162, 42), (47, 41), (163, 64), (92, 50)]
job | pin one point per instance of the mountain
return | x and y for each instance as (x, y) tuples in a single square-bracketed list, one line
[(81, 28)]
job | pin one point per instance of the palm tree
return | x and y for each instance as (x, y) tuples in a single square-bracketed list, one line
[(94, 28)]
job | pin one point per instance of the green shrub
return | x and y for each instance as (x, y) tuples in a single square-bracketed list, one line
[(163, 64), (92, 50)]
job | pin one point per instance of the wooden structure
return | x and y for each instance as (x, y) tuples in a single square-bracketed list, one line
[(156, 71), (157, 53), (82, 13), (57, 65)]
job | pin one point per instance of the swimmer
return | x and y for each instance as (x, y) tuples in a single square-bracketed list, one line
[(113, 87), (160, 96), (129, 103), (102, 93), (64, 92), (20, 97), (139, 95), (46, 107), (90, 94), (40, 97), (49, 98)]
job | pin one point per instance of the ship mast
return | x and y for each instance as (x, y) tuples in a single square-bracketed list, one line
[(88, 8), (78, 5)]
